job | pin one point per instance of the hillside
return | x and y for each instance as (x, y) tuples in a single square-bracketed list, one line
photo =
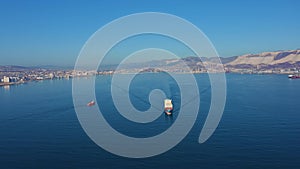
[(278, 59)]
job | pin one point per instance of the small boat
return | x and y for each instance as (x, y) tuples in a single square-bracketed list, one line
[(168, 106), (294, 76), (91, 103)]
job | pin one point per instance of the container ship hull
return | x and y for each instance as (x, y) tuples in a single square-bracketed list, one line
[(294, 76)]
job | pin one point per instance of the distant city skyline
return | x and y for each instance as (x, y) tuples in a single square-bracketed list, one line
[(53, 32)]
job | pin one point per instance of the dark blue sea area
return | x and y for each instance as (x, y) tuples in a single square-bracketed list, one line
[(260, 127)]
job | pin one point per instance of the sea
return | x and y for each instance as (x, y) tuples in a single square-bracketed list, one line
[(260, 126)]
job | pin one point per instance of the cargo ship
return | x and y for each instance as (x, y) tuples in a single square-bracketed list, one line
[(168, 106), (294, 76)]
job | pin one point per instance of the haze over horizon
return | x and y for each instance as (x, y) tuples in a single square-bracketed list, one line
[(53, 32)]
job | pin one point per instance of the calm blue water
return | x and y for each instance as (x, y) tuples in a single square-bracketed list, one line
[(260, 127)]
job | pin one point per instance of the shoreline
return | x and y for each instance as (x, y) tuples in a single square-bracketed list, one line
[(23, 82), (11, 83)]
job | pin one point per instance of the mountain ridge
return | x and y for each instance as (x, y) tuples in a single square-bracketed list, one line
[(271, 58), (283, 59)]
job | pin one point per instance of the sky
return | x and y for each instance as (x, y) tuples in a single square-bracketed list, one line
[(52, 32)]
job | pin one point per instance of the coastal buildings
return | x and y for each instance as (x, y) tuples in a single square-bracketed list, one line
[(17, 76), (6, 79), (278, 62)]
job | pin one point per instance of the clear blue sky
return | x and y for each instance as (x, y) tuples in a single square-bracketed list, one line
[(52, 32)]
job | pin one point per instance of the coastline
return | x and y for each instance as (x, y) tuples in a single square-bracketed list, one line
[(12, 83), (110, 74)]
